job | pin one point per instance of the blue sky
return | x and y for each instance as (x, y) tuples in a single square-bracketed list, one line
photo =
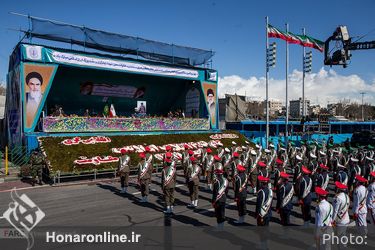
[(235, 30)]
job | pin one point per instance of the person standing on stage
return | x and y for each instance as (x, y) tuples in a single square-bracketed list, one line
[(144, 176), (240, 192), (371, 199), (124, 170), (264, 202), (219, 197), (284, 204), (359, 202), (193, 173), (168, 180), (304, 195)]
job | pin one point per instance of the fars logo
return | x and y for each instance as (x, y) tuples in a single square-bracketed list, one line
[(34, 53)]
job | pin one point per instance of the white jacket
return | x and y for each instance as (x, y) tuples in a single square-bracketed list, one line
[(341, 208), (359, 200), (371, 196), (323, 214)]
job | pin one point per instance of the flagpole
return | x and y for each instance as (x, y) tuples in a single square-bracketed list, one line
[(267, 75), (303, 77), (286, 86)]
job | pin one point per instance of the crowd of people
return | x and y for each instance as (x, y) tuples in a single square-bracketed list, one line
[(291, 174)]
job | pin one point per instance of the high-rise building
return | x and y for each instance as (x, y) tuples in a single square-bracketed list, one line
[(296, 108)]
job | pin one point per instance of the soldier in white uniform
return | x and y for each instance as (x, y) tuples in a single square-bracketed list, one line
[(371, 199), (359, 202), (340, 209), (323, 218)]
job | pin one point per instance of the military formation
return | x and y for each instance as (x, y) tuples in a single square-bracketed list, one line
[(290, 174)]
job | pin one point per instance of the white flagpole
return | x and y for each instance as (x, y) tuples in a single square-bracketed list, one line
[(303, 76), (286, 87), (267, 75)]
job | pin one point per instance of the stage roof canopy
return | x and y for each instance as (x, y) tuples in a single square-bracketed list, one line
[(117, 43)]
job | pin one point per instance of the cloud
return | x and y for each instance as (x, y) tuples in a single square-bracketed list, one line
[(320, 88)]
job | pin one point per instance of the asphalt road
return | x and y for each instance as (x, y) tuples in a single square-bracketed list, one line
[(102, 204)]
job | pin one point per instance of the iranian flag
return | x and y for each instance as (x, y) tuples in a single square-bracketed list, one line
[(307, 41), (302, 40), (276, 33), (112, 111)]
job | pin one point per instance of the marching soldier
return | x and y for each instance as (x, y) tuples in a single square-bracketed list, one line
[(323, 217), (371, 199), (185, 159), (359, 202), (253, 170), (168, 149), (342, 176), (322, 179), (203, 161), (354, 171), (38, 162), (233, 167), (124, 170), (219, 197), (262, 171), (297, 170), (340, 217), (278, 170), (144, 176), (168, 180), (234, 148), (264, 202), (284, 204), (240, 192), (209, 168), (227, 159), (193, 173), (220, 150), (304, 195), (341, 205), (217, 165)]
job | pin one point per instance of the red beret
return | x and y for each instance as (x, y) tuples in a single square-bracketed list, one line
[(217, 158), (241, 168), (123, 151), (284, 175), (193, 159), (186, 146), (320, 191), (142, 155), (168, 155), (306, 170), (209, 150), (168, 160), (235, 154), (361, 179), (372, 174), (340, 185), (321, 165), (168, 148), (263, 179), (147, 148), (191, 152), (279, 161), (261, 164)]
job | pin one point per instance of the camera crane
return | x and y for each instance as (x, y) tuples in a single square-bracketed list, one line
[(342, 56)]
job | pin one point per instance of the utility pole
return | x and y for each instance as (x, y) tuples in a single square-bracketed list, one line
[(362, 93)]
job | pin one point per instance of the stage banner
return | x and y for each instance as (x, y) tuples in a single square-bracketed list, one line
[(117, 65), (37, 79), (210, 95), (98, 89)]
